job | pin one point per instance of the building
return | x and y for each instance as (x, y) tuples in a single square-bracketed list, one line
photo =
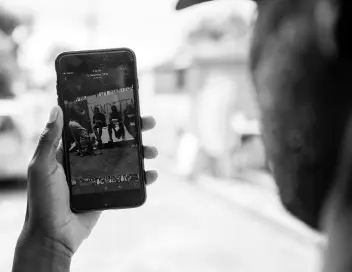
[(177, 83)]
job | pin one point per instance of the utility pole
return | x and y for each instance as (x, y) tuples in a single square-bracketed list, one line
[(91, 22)]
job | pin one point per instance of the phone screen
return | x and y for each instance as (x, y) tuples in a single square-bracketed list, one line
[(102, 124)]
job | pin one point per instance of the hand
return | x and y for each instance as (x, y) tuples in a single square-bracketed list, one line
[(49, 215)]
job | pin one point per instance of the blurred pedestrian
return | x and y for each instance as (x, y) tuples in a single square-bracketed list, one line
[(213, 119)]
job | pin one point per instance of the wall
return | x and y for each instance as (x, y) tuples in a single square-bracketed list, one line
[(105, 102), (165, 82)]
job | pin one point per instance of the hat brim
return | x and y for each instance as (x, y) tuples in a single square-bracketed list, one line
[(182, 4)]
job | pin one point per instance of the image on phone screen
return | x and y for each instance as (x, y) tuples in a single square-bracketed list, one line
[(101, 129)]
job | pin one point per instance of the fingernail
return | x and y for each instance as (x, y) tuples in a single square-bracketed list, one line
[(53, 114)]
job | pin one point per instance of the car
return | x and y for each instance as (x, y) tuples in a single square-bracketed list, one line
[(18, 136), (12, 159)]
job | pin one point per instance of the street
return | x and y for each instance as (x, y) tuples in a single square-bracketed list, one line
[(182, 227)]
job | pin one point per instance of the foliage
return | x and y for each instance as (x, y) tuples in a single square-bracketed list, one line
[(8, 52), (215, 29)]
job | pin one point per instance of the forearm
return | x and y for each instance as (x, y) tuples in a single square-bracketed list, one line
[(42, 254)]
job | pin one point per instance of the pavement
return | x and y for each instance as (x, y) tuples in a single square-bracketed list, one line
[(255, 191), (210, 225)]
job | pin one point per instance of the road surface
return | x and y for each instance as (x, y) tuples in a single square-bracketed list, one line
[(182, 227)]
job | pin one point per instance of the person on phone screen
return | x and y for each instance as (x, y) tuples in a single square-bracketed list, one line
[(99, 122), (130, 119), (116, 120), (76, 114)]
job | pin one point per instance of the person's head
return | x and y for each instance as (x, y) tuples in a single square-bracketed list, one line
[(113, 108), (96, 109), (300, 82)]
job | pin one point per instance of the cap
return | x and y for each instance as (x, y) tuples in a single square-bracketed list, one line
[(182, 4)]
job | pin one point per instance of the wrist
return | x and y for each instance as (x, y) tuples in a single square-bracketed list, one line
[(35, 252)]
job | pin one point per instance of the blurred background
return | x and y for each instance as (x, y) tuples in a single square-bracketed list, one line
[(215, 206)]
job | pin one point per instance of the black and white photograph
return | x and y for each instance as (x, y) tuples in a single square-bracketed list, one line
[(175, 135), (101, 119), (108, 146)]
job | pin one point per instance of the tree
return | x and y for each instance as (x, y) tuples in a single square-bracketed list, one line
[(215, 29), (8, 52)]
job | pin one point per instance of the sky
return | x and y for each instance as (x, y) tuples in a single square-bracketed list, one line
[(152, 28)]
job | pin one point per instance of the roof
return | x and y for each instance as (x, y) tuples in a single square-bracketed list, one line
[(222, 52), (208, 53)]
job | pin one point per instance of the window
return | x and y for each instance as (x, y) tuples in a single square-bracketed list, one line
[(180, 79)]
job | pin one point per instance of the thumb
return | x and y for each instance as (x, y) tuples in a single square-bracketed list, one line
[(49, 140)]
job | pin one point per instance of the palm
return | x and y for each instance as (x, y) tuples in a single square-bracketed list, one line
[(60, 222), (48, 210)]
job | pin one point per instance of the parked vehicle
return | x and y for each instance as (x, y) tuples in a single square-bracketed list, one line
[(13, 160), (22, 120)]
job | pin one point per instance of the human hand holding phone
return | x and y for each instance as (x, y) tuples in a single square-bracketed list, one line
[(52, 233)]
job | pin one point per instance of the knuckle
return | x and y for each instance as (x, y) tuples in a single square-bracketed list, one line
[(45, 136), (33, 167)]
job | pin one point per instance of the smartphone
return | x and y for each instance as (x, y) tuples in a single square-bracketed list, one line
[(103, 150)]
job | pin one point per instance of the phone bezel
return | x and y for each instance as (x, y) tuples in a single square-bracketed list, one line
[(107, 200)]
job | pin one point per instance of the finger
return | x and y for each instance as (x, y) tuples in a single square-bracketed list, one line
[(148, 123), (60, 153), (150, 152), (44, 158), (151, 176)]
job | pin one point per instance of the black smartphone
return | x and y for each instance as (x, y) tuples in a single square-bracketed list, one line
[(103, 150)]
